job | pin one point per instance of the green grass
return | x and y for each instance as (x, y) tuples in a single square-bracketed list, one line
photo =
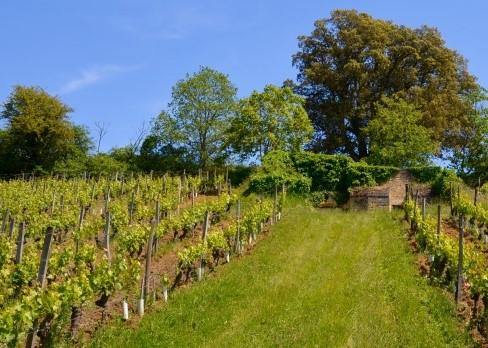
[(321, 278)]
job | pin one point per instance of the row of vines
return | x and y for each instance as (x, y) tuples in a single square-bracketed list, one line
[(456, 260), (66, 244)]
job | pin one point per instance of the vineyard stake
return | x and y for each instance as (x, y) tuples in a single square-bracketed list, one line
[(238, 222), (80, 225), (11, 228), (460, 280), (423, 208), (106, 236), (41, 279), (147, 269), (6, 215), (450, 199), (438, 219), (20, 243), (131, 208), (206, 225)]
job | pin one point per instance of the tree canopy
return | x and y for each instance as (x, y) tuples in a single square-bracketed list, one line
[(351, 60), (396, 136), (470, 156), (274, 119), (198, 117), (38, 132)]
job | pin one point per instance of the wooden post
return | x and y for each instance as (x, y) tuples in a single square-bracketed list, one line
[(20, 243), (106, 234), (80, 225), (61, 203), (131, 208), (438, 219), (206, 225), (476, 195), (92, 196), (283, 192), (11, 228), (275, 205), (179, 190), (406, 192), (122, 188), (460, 280), (157, 219), (46, 252), (450, 199), (41, 279), (147, 269), (424, 208), (238, 221), (6, 216)]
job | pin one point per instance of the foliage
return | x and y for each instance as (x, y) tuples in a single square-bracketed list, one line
[(470, 156), (351, 60), (271, 120), (198, 116), (105, 164), (278, 169), (38, 132), (396, 136)]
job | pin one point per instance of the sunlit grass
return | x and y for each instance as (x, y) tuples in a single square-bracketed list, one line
[(321, 278)]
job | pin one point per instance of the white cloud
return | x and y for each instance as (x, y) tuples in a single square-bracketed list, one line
[(94, 75)]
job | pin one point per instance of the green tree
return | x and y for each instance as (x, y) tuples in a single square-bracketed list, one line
[(75, 162), (38, 132), (396, 136), (351, 60), (470, 157), (198, 116), (272, 120)]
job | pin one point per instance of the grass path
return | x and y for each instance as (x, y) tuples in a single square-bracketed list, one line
[(321, 278)]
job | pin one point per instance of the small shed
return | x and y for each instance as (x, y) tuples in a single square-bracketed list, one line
[(386, 196)]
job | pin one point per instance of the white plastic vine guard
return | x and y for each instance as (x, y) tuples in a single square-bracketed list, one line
[(140, 307), (125, 310)]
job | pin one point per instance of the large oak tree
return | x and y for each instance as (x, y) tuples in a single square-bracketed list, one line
[(351, 60)]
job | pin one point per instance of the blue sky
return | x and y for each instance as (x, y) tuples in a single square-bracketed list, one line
[(116, 61)]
